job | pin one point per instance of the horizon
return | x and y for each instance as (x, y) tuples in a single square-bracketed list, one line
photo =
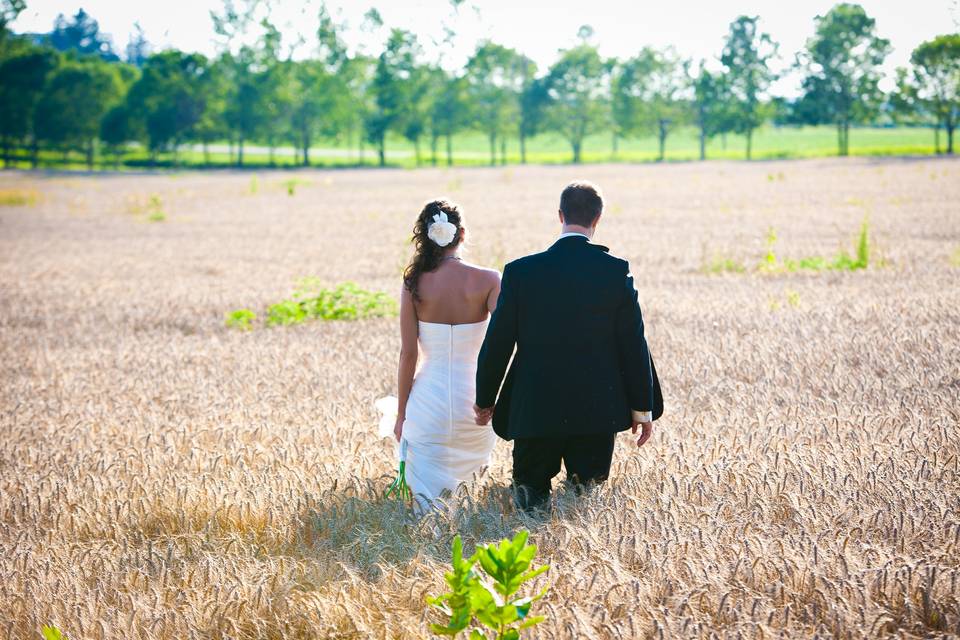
[(189, 27)]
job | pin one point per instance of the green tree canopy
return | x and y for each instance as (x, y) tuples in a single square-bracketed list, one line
[(746, 56), (648, 94), (936, 65), (842, 63), (76, 98), (577, 92)]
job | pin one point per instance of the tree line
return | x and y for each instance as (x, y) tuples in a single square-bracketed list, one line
[(67, 90)]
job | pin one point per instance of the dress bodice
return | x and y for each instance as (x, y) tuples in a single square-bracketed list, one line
[(451, 343)]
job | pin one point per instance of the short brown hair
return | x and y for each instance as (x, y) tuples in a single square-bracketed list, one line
[(581, 203)]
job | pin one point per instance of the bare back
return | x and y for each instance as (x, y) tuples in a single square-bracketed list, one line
[(457, 293)]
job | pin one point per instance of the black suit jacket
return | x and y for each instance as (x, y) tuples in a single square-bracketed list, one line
[(582, 361)]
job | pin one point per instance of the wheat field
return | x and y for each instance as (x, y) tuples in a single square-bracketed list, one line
[(163, 476)]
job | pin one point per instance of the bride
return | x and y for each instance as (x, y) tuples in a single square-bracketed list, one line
[(445, 304)]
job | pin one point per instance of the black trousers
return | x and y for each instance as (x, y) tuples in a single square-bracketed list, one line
[(537, 460)]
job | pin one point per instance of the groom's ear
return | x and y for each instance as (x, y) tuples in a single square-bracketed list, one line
[(560, 215)]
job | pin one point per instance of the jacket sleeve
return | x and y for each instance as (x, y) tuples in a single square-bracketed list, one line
[(499, 342), (634, 353)]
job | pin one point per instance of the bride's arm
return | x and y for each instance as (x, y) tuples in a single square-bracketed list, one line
[(408, 357)]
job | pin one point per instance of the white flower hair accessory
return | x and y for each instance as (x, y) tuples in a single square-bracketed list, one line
[(441, 230)]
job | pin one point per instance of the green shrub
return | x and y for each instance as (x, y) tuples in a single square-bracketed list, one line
[(955, 258), (310, 301), (241, 319), (155, 212), (489, 600)]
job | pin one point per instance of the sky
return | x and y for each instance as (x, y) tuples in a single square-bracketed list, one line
[(537, 28)]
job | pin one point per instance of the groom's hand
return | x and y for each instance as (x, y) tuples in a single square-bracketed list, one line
[(482, 415), (647, 431)]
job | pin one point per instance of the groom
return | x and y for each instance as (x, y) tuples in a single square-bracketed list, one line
[(582, 370)]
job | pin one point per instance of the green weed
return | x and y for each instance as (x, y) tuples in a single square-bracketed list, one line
[(843, 261), (722, 264), (311, 301), (254, 185), (292, 184), (52, 633), (241, 319), (955, 257), (155, 212), (17, 197), (489, 601)]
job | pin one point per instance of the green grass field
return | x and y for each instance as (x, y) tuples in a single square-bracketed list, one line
[(472, 148)]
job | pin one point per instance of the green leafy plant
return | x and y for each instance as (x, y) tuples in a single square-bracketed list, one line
[(722, 264), (292, 185), (489, 600), (241, 319), (955, 257), (254, 185), (52, 633), (311, 301), (17, 197), (155, 212), (843, 261)]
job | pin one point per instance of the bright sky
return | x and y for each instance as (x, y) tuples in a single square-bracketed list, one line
[(537, 28)]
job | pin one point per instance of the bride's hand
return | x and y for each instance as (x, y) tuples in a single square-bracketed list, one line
[(398, 428)]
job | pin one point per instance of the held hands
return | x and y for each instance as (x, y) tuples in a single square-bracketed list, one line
[(645, 434), (483, 416)]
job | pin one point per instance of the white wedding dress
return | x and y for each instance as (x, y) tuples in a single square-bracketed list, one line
[(442, 443)]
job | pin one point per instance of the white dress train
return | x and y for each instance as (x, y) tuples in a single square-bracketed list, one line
[(444, 446)]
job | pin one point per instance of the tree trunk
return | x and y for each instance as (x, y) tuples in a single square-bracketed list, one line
[(240, 152), (34, 153), (382, 152), (703, 144), (503, 151), (230, 149), (936, 138), (449, 149), (846, 138), (89, 155), (206, 153), (663, 142), (306, 149), (576, 151), (950, 128), (271, 153), (493, 149), (749, 143), (523, 148)]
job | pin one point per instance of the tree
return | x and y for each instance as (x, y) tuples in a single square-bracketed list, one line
[(495, 76), (22, 82), (117, 129), (9, 10), (138, 49), (842, 64), (74, 103), (169, 98), (396, 85), (450, 113), (711, 106), (746, 56), (533, 100), (647, 94), (576, 90), (81, 34), (936, 65)]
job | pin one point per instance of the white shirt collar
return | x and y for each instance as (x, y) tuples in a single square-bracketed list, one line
[(573, 233)]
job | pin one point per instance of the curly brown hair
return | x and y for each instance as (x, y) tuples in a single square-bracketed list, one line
[(427, 253)]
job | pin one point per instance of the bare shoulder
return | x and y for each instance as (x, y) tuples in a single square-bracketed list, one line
[(484, 274)]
